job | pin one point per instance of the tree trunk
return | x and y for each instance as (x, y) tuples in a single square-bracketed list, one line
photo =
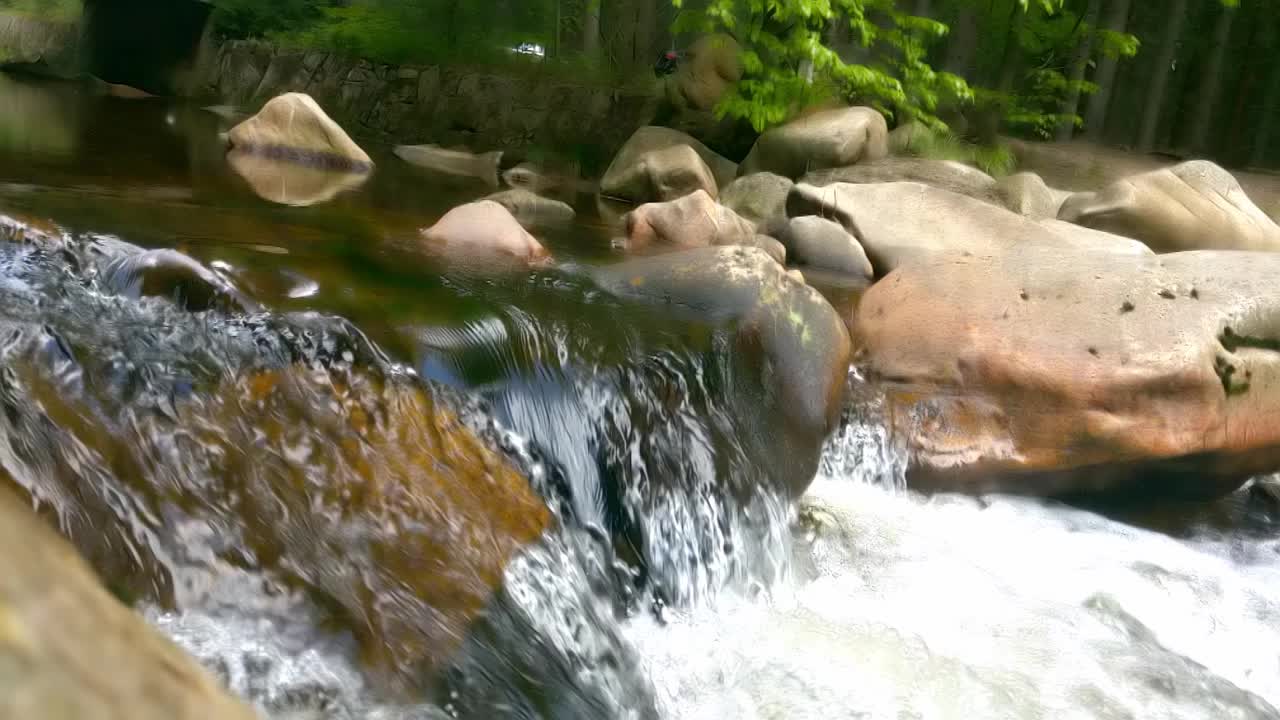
[(591, 29), (1160, 79), (923, 8), (1266, 123), (963, 44), (1079, 64), (1211, 82), (646, 31), (1095, 122)]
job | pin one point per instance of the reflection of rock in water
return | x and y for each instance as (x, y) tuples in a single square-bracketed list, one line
[(290, 183), (39, 118)]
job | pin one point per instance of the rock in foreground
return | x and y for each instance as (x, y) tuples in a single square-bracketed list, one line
[(1053, 371), (692, 221), (68, 650), (293, 127), (1193, 206), (804, 342)]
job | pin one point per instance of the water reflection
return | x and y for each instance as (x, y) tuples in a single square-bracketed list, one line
[(288, 183), (37, 120)]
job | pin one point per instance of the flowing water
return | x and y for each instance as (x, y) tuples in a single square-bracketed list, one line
[(674, 581)]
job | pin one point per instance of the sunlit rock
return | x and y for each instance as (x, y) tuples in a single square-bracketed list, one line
[(824, 139), (822, 244), (293, 127), (943, 174), (1193, 206), (69, 649), (900, 223), (483, 234), (1048, 369), (694, 220), (1026, 193)]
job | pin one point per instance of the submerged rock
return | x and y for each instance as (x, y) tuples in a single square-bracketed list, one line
[(652, 163), (900, 223), (293, 127), (70, 650), (805, 344), (454, 163), (1051, 370), (1193, 206), (825, 139), (172, 275), (533, 211), (760, 198), (483, 233), (694, 220)]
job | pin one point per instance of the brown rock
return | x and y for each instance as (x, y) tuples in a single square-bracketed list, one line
[(68, 650), (692, 221), (1050, 370), (826, 139), (710, 67), (650, 162), (899, 223), (483, 232), (293, 127), (1027, 194), (1193, 206)]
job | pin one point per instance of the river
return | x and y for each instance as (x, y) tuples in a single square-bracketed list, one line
[(863, 600)]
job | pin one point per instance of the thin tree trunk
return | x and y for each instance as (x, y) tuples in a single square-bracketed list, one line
[(1211, 82), (1095, 122), (1154, 105), (646, 30), (1079, 64), (1266, 123), (963, 43), (591, 29)]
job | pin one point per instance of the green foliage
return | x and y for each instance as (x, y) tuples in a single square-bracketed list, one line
[(996, 160), (55, 10)]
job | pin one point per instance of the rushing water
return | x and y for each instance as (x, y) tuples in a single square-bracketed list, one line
[(678, 583)]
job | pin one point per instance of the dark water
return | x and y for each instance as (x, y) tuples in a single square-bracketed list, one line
[(276, 488)]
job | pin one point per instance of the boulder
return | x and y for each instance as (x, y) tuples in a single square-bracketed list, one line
[(483, 232), (708, 69), (819, 243), (288, 183), (771, 247), (760, 198), (909, 137), (660, 175), (692, 221), (1193, 206), (532, 211), (1027, 194), (68, 649), (642, 169), (293, 127), (804, 342), (453, 163), (1055, 371), (170, 274), (945, 174), (825, 139), (898, 223)]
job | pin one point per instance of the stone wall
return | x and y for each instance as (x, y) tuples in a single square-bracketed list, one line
[(481, 109), (39, 44)]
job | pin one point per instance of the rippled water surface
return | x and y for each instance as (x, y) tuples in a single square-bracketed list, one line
[(675, 581)]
